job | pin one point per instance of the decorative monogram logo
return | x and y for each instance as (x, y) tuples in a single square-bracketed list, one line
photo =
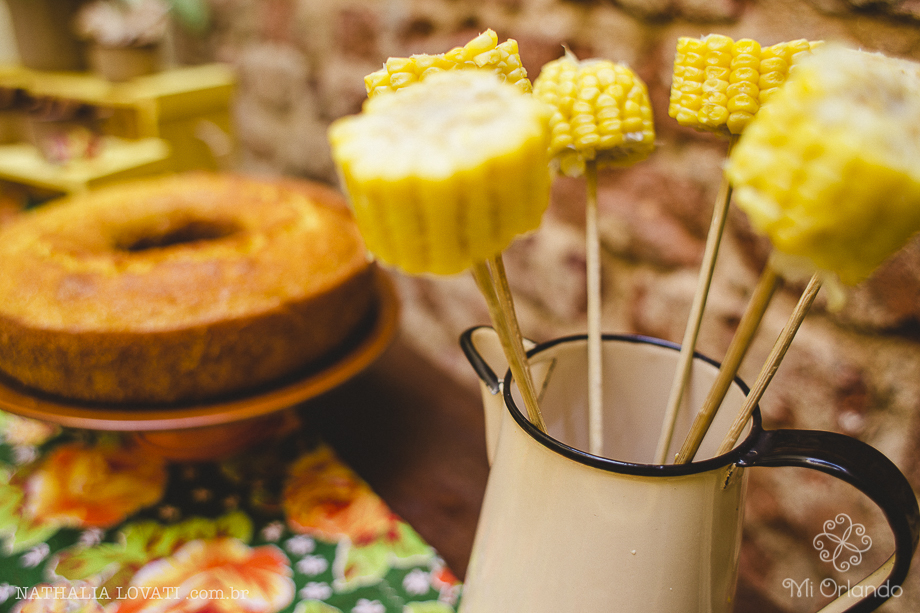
[(835, 546)]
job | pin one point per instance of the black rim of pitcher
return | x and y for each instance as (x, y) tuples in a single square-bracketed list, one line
[(619, 466)]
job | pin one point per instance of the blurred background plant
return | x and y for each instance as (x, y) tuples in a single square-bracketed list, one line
[(136, 23)]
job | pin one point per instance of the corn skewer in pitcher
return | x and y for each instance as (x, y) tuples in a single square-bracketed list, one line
[(483, 52), (443, 175), (830, 172), (602, 116), (718, 86)]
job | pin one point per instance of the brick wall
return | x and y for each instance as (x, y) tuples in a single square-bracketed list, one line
[(857, 371)]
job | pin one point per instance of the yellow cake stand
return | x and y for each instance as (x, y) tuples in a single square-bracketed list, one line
[(210, 430)]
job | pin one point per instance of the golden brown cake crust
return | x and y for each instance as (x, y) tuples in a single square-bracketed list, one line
[(179, 289)]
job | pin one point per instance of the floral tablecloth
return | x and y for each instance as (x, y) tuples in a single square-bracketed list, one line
[(90, 523)]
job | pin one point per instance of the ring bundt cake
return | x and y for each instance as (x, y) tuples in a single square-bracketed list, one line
[(179, 289)]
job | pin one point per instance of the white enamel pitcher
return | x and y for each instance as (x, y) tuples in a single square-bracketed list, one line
[(564, 531)]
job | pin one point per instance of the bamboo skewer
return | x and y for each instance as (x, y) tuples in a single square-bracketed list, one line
[(492, 283), (688, 345), (506, 303), (771, 365), (584, 96), (595, 363), (741, 341)]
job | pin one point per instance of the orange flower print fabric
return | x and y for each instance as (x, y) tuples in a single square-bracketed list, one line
[(218, 576), (98, 486), (325, 499)]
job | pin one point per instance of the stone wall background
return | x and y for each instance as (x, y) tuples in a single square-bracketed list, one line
[(301, 64)]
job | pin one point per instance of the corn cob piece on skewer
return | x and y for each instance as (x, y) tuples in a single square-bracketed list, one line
[(445, 173), (442, 176), (602, 116), (483, 52), (830, 169), (830, 172), (602, 113), (719, 84)]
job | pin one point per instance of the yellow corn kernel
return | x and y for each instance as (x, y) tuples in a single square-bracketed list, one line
[(715, 99), (455, 57), (713, 115), (745, 60), (380, 78), (797, 46), (399, 64), (428, 72), (714, 85), (486, 41), (738, 120), (445, 173), (742, 87), (722, 59), (829, 170), (743, 74), (482, 52), (771, 79), (694, 59), (690, 102), (746, 73), (718, 43), (402, 79), (717, 72), (743, 102), (692, 74), (746, 46), (767, 94), (689, 45), (691, 87), (421, 62), (603, 112), (773, 64)]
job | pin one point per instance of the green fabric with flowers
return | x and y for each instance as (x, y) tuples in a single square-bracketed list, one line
[(90, 523)]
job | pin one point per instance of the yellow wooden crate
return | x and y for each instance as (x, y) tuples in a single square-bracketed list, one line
[(173, 105), (119, 159)]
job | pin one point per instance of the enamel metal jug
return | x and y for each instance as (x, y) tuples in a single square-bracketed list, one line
[(564, 531)]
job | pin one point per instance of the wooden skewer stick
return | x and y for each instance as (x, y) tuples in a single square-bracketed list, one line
[(771, 365), (747, 327), (688, 345), (595, 364), (510, 338), (506, 302)]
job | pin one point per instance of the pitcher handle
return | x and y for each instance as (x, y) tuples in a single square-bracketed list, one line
[(479, 362), (482, 349), (484, 352), (872, 473)]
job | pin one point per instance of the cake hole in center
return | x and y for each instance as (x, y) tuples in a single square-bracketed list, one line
[(180, 234)]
